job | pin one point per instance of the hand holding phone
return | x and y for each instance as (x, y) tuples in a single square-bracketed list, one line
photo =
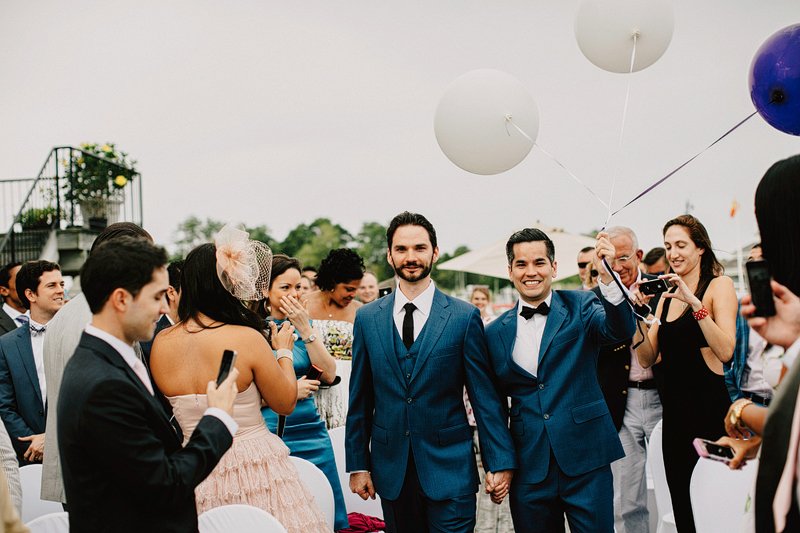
[(758, 281), (228, 360), (711, 450)]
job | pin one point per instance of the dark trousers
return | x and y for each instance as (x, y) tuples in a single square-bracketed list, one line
[(587, 500), (413, 512)]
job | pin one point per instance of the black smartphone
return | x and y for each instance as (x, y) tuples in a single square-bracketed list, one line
[(710, 450), (228, 359), (384, 291), (314, 372), (654, 286), (758, 279)]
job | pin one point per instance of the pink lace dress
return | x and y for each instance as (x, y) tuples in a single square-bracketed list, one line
[(256, 470)]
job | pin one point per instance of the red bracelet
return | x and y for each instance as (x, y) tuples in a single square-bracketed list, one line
[(700, 314)]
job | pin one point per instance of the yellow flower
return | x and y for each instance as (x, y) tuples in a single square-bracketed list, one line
[(106, 148), (80, 160), (120, 181)]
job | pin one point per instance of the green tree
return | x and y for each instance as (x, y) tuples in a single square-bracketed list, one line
[(322, 237), (193, 232), (371, 245)]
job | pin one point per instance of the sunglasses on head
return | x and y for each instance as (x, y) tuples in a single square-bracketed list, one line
[(582, 264)]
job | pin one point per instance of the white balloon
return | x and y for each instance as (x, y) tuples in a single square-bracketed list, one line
[(605, 30), (479, 118)]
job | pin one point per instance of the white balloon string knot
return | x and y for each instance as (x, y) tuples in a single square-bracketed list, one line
[(510, 120)]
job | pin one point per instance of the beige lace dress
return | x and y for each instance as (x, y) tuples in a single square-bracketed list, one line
[(256, 470)]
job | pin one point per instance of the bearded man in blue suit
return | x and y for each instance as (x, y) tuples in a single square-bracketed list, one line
[(544, 352), (407, 434)]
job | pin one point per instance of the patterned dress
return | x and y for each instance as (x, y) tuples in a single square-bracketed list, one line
[(337, 335)]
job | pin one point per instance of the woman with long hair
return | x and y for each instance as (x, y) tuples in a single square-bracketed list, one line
[(333, 309), (304, 433), (695, 337), (256, 470)]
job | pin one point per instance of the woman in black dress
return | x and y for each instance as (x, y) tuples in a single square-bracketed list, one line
[(696, 336)]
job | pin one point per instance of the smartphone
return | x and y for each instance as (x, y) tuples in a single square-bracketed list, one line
[(314, 372), (654, 286), (228, 359), (758, 279), (384, 291), (711, 450)]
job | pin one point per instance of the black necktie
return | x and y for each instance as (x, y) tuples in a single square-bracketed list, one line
[(408, 325), (528, 312)]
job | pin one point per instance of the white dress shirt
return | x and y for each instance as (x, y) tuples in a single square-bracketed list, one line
[(529, 332), (128, 354), (423, 301), (37, 344), (638, 372)]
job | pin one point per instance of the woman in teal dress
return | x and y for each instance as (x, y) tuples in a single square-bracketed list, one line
[(305, 433)]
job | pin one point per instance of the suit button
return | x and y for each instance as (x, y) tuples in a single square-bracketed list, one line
[(627, 367), (408, 356), (408, 433), (41, 413), (541, 386), (546, 416), (409, 400), (625, 391), (408, 376)]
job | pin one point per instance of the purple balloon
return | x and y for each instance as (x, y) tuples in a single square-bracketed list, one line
[(775, 80)]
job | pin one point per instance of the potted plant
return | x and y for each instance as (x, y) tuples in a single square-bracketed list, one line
[(94, 180), (38, 218)]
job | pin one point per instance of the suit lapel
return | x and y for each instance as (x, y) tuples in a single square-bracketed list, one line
[(25, 349), (434, 326), (508, 336), (6, 322), (384, 326), (554, 320)]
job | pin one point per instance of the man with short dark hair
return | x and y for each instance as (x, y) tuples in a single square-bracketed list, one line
[(12, 313), (655, 262), (544, 354), (124, 467), (63, 334), (170, 318), (408, 438), (23, 387)]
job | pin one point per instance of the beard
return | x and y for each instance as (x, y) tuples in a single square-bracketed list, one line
[(423, 273)]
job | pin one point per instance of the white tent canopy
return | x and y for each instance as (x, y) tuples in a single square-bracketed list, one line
[(491, 261)]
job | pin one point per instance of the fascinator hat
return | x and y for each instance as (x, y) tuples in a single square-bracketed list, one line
[(243, 265)]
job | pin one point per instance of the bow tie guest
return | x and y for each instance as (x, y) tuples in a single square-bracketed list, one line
[(544, 354), (23, 390)]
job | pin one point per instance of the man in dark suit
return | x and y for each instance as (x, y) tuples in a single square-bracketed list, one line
[(631, 394), (408, 438), (124, 468), (170, 318), (23, 390), (12, 312), (544, 352)]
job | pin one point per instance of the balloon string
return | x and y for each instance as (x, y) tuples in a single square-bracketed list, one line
[(510, 120), (616, 170), (574, 177), (665, 178)]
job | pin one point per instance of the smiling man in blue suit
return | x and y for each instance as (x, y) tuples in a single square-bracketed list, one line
[(544, 352), (408, 438)]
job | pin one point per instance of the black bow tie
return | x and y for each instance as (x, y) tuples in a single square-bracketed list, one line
[(528, 312), (37, 330)]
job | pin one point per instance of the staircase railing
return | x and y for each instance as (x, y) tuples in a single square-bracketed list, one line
[(32, 208)]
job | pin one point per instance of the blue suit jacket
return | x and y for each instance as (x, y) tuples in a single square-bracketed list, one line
[(562, 408), (425, 413), (22, 407)]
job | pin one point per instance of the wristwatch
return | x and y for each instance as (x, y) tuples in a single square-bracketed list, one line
[(735, 417), (311, 338)]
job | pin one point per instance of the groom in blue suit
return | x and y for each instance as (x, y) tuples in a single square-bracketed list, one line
[(544, 352), (407, 435)]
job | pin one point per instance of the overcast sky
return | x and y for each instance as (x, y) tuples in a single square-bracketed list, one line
[(277, 113)]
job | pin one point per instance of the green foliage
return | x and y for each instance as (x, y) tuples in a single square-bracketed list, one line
[(321, 237), (38, 218), (97, 171), (371, 245), (193, 232)]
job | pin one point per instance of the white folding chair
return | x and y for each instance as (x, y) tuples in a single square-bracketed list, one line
[(50, 523), (719, 495), (238, 518), (33, 506), (315, 481), (353, 502), (655, 459)]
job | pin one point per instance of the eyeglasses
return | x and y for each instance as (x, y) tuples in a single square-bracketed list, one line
[(582, 264), (621, 260)]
